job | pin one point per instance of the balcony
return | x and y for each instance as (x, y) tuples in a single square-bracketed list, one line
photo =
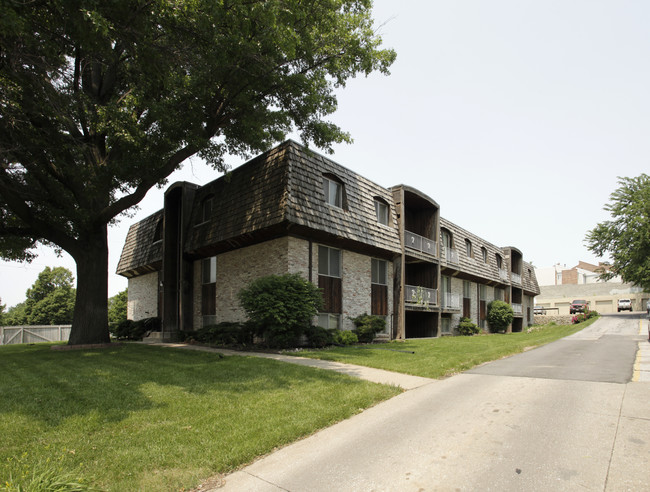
[(450, 255), (515, 277), (450, 301), (503, 274), (420, 296), (517, 309), (420, 243)]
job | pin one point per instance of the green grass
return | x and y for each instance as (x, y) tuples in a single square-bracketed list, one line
[(136, 417), (440, 357)]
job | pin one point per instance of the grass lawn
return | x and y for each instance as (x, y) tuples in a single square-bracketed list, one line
[(137, 417), (440, 357)]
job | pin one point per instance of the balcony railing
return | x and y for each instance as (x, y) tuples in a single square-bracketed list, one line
[(516, 308), (416, 295), (515, 277), (503, 274), (420, 243), (450, 301), (450, 255)]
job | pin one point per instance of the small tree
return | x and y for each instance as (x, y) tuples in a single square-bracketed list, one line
[(117, 309), (51, 299), (281, 306), (499, 316)]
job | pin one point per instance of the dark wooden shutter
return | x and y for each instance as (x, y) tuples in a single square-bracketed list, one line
[(467, 307), (482, 310), (209, 299), (332, 294), (379, 300)]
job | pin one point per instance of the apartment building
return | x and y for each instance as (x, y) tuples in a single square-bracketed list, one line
[(386, 252)]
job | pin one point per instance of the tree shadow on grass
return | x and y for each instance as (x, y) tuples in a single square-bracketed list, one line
[(112, 383)]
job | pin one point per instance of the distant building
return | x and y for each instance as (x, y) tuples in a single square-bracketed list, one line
[(560, 285), (582, 273)]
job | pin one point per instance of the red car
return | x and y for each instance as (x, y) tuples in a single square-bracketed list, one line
[(578, 306)]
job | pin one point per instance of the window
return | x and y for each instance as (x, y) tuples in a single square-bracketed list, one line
[(381, 209), (333, 192), (329, 281), (445, 325), (499, 261), (329, 321), (379, 287), (446, 238), (209, 290), (206, 209), (499, 294), (484, 254), (483, 292), (209, 270), (379, 268), (329, 261), (468, 248), (467, 289)]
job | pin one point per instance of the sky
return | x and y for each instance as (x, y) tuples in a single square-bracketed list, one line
[(516, 116)]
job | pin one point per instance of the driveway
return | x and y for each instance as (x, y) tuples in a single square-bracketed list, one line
[(493, 428)]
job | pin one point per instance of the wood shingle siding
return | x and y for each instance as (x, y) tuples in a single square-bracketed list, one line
[(141, 254)]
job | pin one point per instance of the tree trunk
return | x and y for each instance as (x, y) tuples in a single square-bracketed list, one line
[(90, 320)]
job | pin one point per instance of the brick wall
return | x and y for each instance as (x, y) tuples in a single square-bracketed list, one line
[(143, 297)]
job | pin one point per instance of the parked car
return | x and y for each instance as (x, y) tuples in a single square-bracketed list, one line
[(578, 306), (647, 306), (624, 305), (539, 310)]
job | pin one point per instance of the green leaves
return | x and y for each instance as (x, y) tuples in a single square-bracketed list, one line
[(626, 238)]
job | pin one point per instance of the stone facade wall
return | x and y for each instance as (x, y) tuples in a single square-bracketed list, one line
[(236, 269), (557, 319), (143, 297)]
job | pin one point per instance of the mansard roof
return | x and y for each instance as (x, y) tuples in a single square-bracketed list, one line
[(475, 266), (529, 281), (276, 193), (142, 253)]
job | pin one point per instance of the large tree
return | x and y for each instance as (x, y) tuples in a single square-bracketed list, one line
[(626, 238), (102, 100)]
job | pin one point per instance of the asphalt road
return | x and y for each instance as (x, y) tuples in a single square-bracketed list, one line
[(603, 352), (560, 418)]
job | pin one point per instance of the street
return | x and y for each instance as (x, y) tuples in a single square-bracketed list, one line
[(561, 417)]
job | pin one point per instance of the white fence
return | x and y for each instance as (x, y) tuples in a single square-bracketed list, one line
[(10, 335)]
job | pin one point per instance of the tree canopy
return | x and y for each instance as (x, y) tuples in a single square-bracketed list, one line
[(49, 301), (626, 237), (100, 101)]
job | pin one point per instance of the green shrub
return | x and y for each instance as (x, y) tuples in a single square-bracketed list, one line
[(468, 328), (345, 337), (319, 337), (499, 316), (135, 330), (281, 307), (367, 327), (225, 333)]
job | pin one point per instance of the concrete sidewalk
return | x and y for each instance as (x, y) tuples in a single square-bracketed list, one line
[(404, 381)]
